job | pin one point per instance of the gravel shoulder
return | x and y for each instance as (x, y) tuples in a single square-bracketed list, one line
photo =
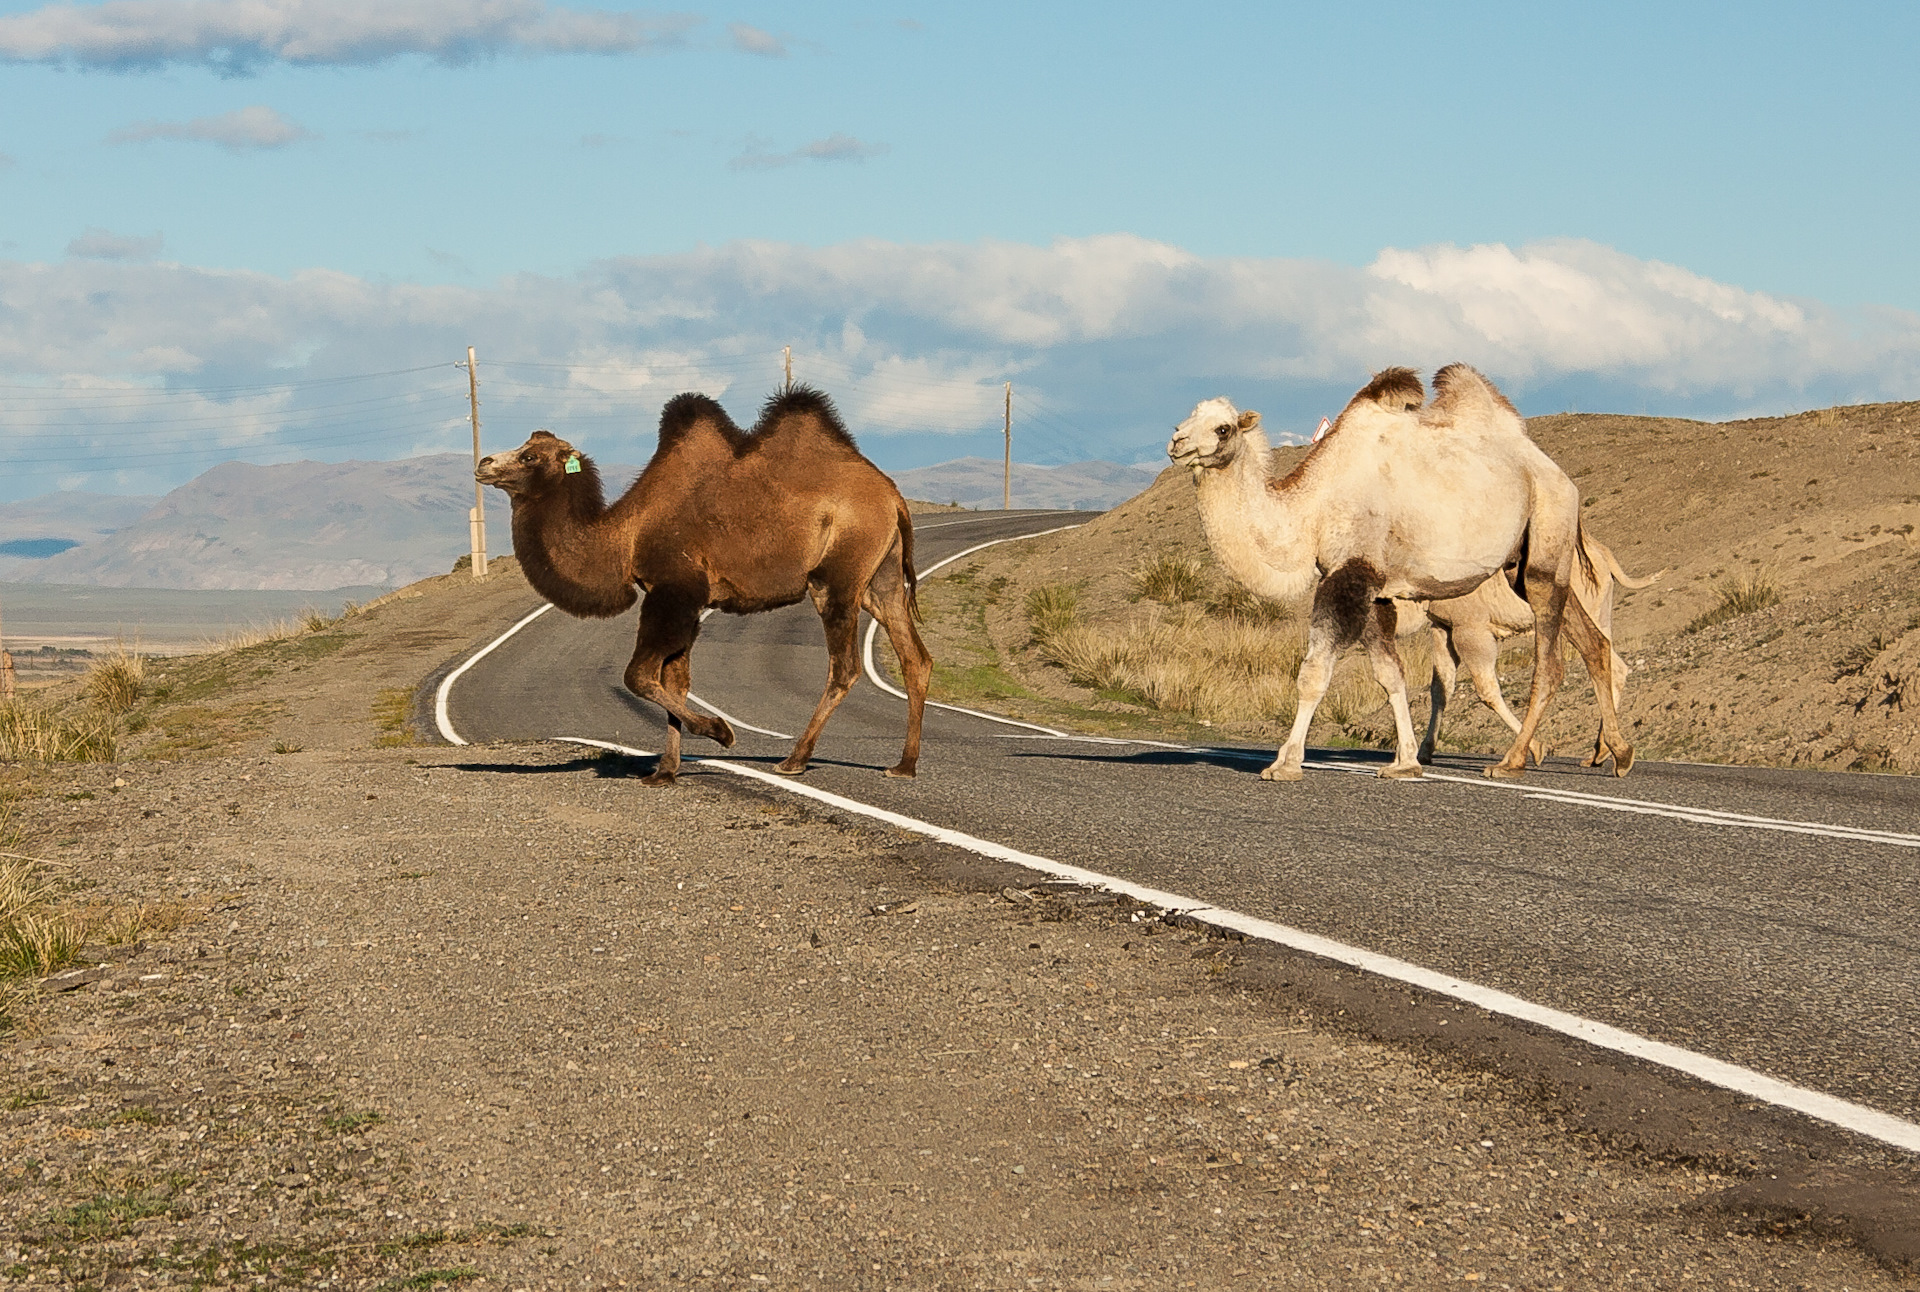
[(501, 1017)]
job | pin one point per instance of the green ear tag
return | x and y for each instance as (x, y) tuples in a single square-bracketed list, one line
[(573, 464)]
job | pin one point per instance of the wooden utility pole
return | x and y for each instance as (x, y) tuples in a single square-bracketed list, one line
[(7, 684), (789, 367), (477, 518), (1006, 480)]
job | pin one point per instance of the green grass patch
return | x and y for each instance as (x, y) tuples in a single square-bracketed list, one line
[(345, 1123), (391, 709), (432, 1278), (111, 1215)]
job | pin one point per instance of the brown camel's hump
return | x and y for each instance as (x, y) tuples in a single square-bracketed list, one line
[(1395, 389), (691, 412), (1459, 389), (801, 408)]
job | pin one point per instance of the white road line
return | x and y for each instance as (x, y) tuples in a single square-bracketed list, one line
[(446, 685), (718, 712), (1858, 1118)]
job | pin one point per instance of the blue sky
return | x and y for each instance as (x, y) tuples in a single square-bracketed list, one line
[(1702, 210)]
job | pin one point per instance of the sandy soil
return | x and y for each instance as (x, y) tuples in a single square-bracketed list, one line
[(503, 1018), (1824, 504)]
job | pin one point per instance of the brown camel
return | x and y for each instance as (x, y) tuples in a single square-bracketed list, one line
[(740, 521), (1399, 500)]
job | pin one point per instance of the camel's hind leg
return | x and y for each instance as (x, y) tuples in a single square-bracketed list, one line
[(1547, 594), (841, 619), (1341, 608), (888, 602), (1388, 671), (1597, 651), (1439, 690)]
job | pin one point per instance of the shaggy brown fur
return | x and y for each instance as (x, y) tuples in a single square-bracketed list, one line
[(740, 521)]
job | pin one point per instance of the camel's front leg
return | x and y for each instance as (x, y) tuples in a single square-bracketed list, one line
[(1439, 688), (1392, 675), (842, 622), (669, 621), (677, 676), (1341, 607), (1480, 656)]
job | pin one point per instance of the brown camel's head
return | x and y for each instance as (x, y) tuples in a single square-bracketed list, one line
[(1212, 434), (544, 463)]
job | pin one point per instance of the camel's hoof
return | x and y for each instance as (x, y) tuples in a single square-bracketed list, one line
[(1623, 761), (789, 768), (1502, 772), (904, 772), (1424, 758), (722, 734), (1277, 772), (1539, 752), (1398, 772), (660, 778)]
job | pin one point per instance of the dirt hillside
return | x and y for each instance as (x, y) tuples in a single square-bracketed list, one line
[(388, 1015), (1822, 507)]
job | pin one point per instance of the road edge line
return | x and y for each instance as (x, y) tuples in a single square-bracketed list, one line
[(440, 716)]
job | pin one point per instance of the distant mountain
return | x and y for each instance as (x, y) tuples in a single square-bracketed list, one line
[(310, 525), (323, 525), (39, 528), (977, 482)]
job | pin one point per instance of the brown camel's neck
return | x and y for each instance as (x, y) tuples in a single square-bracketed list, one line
[(1264, 536), (575, 550)]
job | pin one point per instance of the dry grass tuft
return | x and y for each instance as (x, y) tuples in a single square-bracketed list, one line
[(29, 733), (273, 630), (1238, 603), (1170, 579), (1741, 595), (116, 679), (1052, 610), (1184, 662)]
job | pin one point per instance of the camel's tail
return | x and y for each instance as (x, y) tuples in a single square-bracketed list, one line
[(1586, 558), (905, 521)]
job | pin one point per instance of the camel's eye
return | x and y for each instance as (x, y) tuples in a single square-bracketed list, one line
[(1226, 429), (526, 457)]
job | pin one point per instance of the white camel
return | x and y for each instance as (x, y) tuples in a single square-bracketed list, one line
[(1467, 632), (1398, 500)]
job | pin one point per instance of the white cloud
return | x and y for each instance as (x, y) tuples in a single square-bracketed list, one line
[(754, 40), (1115, 336), (103, 244), (242, 129), (835, 147), (239, 36)]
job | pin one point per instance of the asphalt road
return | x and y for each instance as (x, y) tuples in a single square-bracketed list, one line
[(1785, 943)]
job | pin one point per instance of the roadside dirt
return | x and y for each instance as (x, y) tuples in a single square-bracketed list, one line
[(1824, 505), (503, 1018)]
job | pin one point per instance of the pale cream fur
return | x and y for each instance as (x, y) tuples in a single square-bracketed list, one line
[(1467, 632), (1399, 500)]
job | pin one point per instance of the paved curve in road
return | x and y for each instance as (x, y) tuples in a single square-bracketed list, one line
[(1762, 917)]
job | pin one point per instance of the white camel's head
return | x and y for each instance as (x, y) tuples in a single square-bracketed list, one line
[(1212, 435)]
